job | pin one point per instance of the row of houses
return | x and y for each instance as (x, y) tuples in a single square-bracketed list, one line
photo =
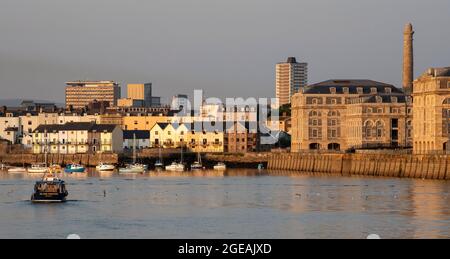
[(18, 126), (89, 137)]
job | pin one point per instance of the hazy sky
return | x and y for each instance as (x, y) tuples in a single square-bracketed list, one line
[(226, 47)]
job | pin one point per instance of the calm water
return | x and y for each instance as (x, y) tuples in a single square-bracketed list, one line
[(235, 204)]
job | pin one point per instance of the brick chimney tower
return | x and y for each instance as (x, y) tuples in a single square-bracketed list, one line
[(408, 59)]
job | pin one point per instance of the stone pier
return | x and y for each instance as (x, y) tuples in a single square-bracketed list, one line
[(435, 167)]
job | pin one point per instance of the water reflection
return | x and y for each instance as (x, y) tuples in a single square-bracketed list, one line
[(230, 204)]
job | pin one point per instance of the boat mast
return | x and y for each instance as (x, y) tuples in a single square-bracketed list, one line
[(181, 153), (134, 148)]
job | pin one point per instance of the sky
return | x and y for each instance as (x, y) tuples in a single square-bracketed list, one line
[(228, 48)]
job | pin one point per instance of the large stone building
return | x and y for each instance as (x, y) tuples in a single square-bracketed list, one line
[(80, 94), (350, 114), (431, 93), (290, 77)]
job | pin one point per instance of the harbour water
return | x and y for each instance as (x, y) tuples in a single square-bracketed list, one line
[(234, 204)]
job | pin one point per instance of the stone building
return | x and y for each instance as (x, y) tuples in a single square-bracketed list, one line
[(240, 138), (431, 93), (350, 114)]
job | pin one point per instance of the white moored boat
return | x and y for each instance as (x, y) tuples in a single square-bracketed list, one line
[(105, 167), (133, 169), (3, 166), (179, 167), (220, 166), (38, 169)]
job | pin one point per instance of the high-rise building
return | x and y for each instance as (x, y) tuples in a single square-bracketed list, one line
[(408, 59), (140, 92), (290, 77), (179, 102), (80, 93)]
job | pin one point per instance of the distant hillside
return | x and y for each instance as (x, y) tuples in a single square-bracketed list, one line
[(17, 102)]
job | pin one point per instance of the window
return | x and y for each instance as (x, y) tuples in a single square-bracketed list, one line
[(345, 89), (394, 99), (380, 128), (359, 90), (388, 90), (333, 90), (373, 90), (156, 132)]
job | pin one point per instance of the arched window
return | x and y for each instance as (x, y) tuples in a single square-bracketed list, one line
[(315, 114)]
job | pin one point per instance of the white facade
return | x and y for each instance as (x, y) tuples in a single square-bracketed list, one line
[(9, 122)]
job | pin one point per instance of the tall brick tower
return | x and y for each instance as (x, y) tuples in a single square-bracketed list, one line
[(408, 59)]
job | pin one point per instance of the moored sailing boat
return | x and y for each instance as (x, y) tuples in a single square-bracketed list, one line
[(159, 163), (197, 165), (134, 168), (174, 166), (18, 170)]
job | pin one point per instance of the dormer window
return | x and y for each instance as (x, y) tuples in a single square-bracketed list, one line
[(345, 90), (394, 99), (373, 90), (379, 99), (359, 90), (388, 90), (332, 90)]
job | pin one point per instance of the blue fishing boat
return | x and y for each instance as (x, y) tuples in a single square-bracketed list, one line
[(74, 168)]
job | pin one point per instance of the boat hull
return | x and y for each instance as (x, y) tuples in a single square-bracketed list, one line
[(105, 168), (175, 168), (70, 171), (17, 170), (131, 171), (74, 169), (37, 171), (57, 198)]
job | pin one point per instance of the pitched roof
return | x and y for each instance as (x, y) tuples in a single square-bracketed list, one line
[(103, 127), (352, 85), (48, 128), (140, 134), (162, 125), (76, 126)]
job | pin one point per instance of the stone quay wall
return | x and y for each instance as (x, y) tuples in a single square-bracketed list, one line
[(62, 159), (405, 166)]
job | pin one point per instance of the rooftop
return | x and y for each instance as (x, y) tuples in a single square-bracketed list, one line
[(352, 85)]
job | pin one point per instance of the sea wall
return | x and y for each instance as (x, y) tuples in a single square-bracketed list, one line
[(62, 159), (405, 166)]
